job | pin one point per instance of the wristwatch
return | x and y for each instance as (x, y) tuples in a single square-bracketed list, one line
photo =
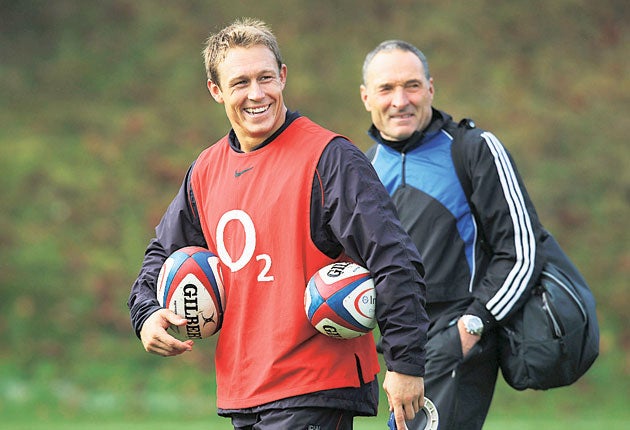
[(472, 324)]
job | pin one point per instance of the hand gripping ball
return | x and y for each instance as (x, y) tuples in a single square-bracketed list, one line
[(190, 284)]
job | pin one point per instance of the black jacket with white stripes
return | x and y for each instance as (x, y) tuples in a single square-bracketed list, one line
[(420, 176)]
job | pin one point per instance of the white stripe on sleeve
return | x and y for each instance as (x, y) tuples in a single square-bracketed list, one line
[(524, 240)]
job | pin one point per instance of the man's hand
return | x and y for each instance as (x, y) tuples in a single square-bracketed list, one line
[(405, 395), (468, 340), (156, 340)]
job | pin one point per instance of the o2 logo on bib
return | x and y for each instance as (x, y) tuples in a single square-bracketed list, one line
[(246, 235)]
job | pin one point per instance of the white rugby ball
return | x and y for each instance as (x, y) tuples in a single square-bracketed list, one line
[(190, 284), (340, 300)]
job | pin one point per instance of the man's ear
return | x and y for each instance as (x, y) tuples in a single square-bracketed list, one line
[(364, 97), (215, 91), (283, 75)]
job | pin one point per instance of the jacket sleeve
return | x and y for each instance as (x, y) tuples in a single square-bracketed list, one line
[(178, 227), (353, 213), (511, 228)]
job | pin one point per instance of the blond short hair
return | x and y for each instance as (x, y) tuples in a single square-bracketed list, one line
[(243, 33)]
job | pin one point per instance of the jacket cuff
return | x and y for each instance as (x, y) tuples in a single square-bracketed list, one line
[(477, 308), (142, 313)]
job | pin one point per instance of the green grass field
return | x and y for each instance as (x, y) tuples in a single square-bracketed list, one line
[(169, 410), (517, 423), (155, 408), (164, 394), (554, 410)]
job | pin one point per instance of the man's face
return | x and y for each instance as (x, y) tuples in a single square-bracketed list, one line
[(250, 86), (397, 94)]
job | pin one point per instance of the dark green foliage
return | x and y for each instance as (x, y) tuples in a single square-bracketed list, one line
[(103, 107)]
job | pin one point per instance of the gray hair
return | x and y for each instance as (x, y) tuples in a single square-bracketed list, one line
[(392, 45)]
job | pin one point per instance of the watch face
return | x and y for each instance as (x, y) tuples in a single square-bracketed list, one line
[(473, 324)]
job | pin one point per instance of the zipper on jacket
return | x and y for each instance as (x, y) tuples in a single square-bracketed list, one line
[(404, 160)]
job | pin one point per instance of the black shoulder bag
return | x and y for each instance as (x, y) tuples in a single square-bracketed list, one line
[(554, 338)]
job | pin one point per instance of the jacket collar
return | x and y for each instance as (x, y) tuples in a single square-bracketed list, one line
[(438, 120)]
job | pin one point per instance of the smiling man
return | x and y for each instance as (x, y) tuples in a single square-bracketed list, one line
[(277, 198), (398, 93), (474, 281), (253, 82)]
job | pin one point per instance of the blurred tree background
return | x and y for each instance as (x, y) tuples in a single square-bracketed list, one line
[(103, 106)]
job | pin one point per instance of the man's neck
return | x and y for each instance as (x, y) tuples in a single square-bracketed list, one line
[(238, 146)]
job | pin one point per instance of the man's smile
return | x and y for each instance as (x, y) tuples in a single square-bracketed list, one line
[(402, 116), (257, 110)]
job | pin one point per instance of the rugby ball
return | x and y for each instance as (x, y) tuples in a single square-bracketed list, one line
[(340, 300), (190, 284)]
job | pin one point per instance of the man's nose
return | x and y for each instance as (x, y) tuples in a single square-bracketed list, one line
[(400, 98), (255, 91)]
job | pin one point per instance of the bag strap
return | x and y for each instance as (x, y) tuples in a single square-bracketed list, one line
[(458, 157), (457, 154)]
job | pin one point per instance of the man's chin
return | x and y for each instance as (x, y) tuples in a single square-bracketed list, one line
[(402, 130)]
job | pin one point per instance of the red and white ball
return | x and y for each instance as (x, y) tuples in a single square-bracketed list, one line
[(340, 300), (190, 284)]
